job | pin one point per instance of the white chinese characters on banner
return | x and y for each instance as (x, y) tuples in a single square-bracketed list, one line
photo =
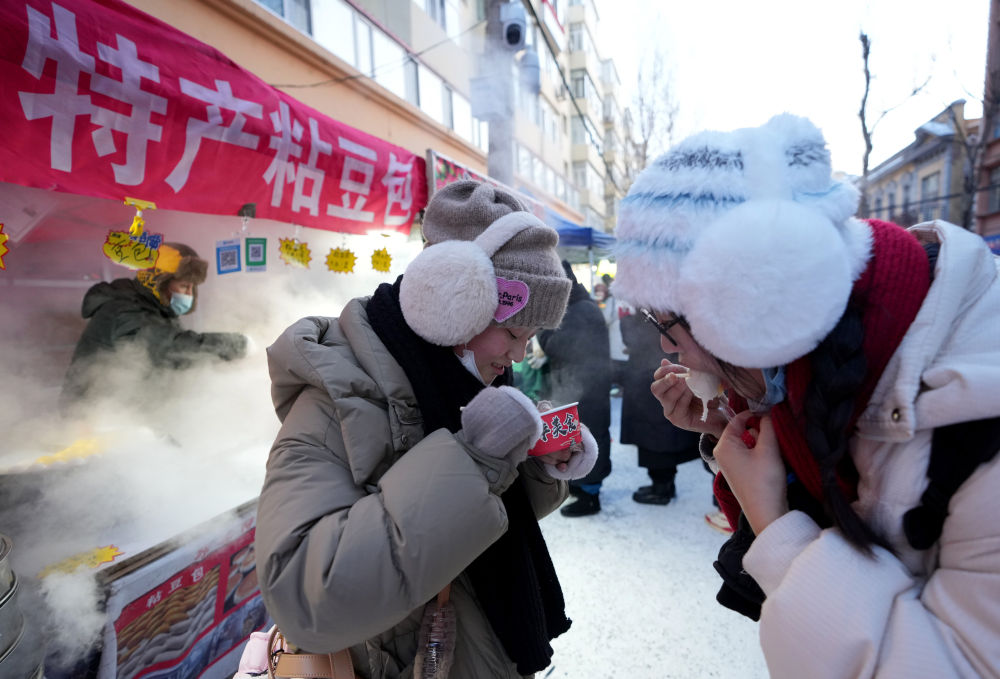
[(397, 182), (212, 128), (361, 162), (311, 173), (66, 102), (138, 127), (281, 171), (113, 107)]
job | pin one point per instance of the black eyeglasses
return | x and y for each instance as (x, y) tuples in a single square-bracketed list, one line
[(664, 328)]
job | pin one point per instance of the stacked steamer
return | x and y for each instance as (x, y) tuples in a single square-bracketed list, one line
[(20, 654)]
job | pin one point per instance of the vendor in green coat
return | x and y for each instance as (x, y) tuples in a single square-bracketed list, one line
[(144, 313)]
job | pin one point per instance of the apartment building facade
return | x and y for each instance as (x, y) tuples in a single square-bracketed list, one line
[(402, 70), (988, 196), (924, 181)]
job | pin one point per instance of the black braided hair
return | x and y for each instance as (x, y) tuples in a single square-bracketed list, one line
[(838, 371)]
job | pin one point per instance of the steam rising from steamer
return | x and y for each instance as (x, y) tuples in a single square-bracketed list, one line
[(198, 451)]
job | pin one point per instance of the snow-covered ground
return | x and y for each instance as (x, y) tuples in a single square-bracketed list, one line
[(640, 587)]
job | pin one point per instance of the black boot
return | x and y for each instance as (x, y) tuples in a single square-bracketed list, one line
[(656, 494), (584, 505)]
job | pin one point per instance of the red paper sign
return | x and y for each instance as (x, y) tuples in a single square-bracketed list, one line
[(103, 100)]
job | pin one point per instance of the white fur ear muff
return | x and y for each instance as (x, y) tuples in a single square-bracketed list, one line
[(767, 281), (449, 291)]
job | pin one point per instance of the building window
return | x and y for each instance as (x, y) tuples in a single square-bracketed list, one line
[(334, 28), (580, 175), (579, 135), (929, 191), (892, 206), (906, 199), (411, 76), (363, 32), (993, 201), (575, 37), (461, 115), (295, 12), (524, 162), (436, 11), (388, 60), (878, 207), (431, 96)]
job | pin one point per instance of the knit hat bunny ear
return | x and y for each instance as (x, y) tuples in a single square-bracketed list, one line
[(487, 261), (746, 235)]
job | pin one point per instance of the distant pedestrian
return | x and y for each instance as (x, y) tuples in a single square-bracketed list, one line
[(662, 446), (580, 371), (613, 313)]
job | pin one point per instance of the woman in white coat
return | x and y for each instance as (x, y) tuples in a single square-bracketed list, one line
[(817, 353)]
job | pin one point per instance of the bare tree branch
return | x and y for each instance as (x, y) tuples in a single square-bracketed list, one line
[(868, 130), (974, 147), (649, 123)]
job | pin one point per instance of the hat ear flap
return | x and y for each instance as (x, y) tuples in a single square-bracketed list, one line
[(766, 283), (449, 293)]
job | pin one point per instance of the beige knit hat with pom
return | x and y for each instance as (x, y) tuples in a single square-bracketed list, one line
[(487, 260)]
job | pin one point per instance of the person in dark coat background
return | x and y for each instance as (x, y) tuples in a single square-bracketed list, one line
[(144, 312), (579, 363), (662, 446)]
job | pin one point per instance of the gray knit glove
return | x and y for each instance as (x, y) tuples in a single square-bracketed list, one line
[(502, 422)]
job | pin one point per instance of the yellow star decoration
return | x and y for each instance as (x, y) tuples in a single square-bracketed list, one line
[(91, 559), (3, 248), (79, 449), (294, 253), (340, 260), (381, 260)]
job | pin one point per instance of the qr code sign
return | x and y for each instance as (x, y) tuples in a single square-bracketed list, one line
[(227, 256), (256, 252)]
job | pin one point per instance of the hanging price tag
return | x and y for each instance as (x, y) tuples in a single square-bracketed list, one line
[(134, 253), (381, 260), (294, 253), (340, 260)]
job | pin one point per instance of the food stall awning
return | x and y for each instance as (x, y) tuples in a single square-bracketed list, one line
[(101, 99), (571, 235)]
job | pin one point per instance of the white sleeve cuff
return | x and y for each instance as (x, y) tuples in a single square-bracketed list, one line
[(773, 551)]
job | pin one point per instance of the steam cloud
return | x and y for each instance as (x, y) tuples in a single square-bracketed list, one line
[(174, 452)]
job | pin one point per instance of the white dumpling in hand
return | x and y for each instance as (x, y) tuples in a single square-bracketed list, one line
[(705, 386)]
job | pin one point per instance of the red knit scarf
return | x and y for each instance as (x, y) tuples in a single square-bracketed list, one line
[(889, 293)]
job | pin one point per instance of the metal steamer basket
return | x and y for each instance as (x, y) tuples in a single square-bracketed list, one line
[(20, 656)]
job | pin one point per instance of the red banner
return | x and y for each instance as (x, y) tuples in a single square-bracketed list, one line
[(100, 99)]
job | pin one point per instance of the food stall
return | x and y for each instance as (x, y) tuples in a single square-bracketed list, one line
[(131, 530)]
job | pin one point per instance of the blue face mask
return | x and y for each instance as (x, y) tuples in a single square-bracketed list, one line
[(181, 303), (775, 392)]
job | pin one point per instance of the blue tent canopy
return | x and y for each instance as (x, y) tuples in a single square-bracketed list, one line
[(573, 235)]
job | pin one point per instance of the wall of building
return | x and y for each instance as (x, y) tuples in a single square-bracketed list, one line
[(932, 158), (284, 55), (281, 55)]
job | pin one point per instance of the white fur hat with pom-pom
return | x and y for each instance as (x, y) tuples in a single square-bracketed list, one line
[(487, 260), (748, 237)]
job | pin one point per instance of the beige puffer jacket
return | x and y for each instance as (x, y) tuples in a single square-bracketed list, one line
[(353, 537)]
